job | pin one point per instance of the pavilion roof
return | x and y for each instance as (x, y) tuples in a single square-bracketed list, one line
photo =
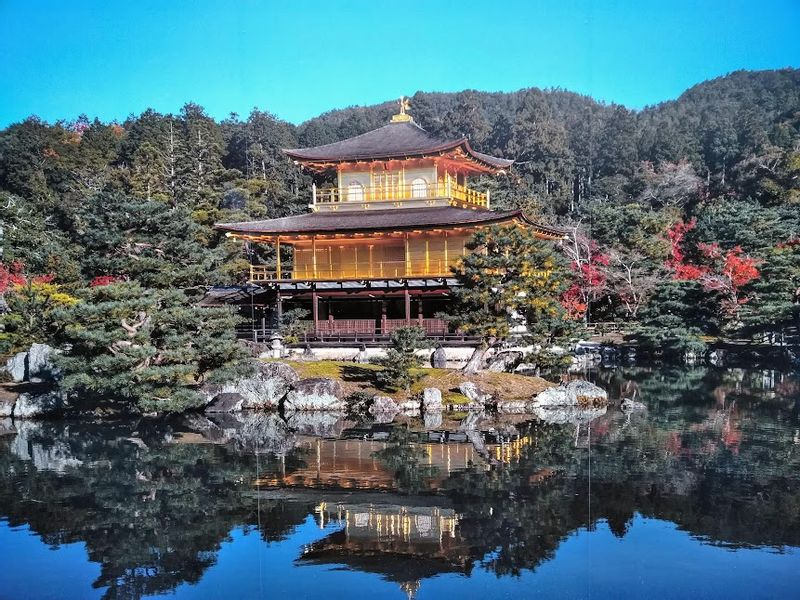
[(397, 140), (383, 220)]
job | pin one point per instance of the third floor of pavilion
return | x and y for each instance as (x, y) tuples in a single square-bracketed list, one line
[(399, 165)]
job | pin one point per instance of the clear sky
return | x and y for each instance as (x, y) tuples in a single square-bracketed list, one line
[(298, 58)]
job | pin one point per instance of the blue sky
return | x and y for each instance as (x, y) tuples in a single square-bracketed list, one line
[(298, 58)]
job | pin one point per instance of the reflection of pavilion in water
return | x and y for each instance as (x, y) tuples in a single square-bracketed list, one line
[(352, 463), (403, 543), (404, 539)]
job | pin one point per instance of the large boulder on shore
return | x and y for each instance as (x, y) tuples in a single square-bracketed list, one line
[(439, 358), (473, 393), (316, 393), (225, 402), (262, 390), (575, 393), (15, 366), (504, 362), (432, 400), (31, 405), (40, 365), (35, 365), (383, 409)]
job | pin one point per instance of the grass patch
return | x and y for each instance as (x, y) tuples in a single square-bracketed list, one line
[(357, 377)]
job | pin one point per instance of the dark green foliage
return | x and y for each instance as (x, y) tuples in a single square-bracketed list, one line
[(130, 347), (401, 358), (292, 326), (679, 315), (358, 404), (509, 278), (150, 242)]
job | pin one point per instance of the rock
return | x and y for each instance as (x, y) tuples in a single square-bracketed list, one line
[(575, 393), (431, 400), (526, 369), (410, 406), (383, 409), (32, 406), (40, 367), (15, 366), (473, 393), (267, 387), (317, 393), (583, 393), (7, 402), (629, 405), (225, 402), (560, 415), (512, 407), (504, 362), (554, 396), (7, 427), (439, 358), (264, 389), (361, 358), (433, 419)]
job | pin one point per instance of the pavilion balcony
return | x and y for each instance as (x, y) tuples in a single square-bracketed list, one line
[(432, 267), (443, 192)]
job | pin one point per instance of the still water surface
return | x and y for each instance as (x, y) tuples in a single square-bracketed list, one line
[(698, 497)]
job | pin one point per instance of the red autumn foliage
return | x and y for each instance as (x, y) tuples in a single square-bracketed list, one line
[(13, 274), (590, 278), (102, 280)]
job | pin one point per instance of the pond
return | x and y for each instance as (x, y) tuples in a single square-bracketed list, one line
[(698, 496)]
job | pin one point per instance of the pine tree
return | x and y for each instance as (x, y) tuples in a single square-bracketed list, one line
[(509, 280), (132, 348), (401, 358)]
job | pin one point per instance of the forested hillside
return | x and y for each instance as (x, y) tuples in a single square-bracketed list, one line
[(685, 217)]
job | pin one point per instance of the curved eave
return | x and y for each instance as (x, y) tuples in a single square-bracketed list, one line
[(490, 163), (246, 230)]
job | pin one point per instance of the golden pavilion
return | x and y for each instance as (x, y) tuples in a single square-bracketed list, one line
[(376, 248)]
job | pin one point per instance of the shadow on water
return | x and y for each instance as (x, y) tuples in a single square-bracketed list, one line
[(716, 453)]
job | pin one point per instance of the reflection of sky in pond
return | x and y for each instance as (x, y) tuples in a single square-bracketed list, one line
[(654, 559)]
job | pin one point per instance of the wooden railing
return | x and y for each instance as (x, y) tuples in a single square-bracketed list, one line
[(376, 270), (403, 191), (371, 327)]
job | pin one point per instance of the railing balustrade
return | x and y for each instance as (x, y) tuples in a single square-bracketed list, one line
[(432, 267), (403, 191)]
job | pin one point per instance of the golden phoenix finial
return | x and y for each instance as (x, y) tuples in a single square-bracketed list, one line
[(402, 115)]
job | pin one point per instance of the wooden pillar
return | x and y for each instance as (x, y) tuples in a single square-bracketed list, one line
[(315, 310), (279, 308), (407, 299), (446, 258), (383, 317), (278, 259), (408, 257), (314, 256)]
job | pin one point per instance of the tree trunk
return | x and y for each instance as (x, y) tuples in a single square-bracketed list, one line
[(475, 362)]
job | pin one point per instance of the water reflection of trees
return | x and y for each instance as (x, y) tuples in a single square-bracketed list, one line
[(716, 454), (152, 513)]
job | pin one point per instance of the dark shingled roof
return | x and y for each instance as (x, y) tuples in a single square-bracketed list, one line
[(395, 140), (382, 220)]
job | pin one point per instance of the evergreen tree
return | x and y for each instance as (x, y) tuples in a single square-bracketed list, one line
[(401, 358), (509, 280), (128, 347)]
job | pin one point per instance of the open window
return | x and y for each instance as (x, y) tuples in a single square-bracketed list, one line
[(419, 188), (355, 192)]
